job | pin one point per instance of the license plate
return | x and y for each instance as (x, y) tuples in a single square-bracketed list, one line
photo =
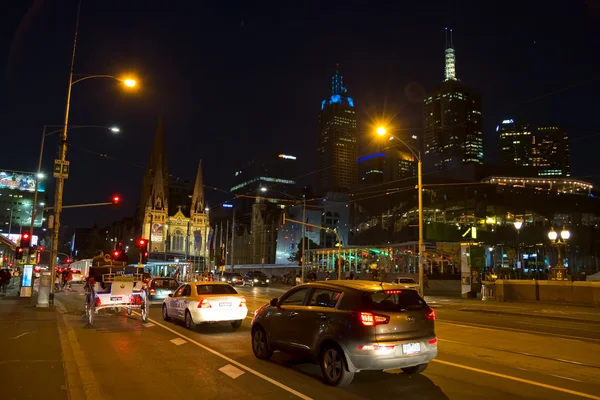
[(411, 348), (225, 304), (116, 298)]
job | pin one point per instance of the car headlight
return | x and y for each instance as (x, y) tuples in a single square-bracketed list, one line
[(256, 280), (267, 281), (223, 280)]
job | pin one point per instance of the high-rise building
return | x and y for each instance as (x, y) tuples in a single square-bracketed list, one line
[(516, 143), (551, 151), (389, 164), (337, 149), (453, 126)]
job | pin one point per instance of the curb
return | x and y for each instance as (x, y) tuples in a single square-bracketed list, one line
[(516, 314)]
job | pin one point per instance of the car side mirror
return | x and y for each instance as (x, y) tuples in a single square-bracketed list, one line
[(170, 294), (274, 302)]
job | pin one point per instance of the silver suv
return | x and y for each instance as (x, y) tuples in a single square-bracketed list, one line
[(348, 326)]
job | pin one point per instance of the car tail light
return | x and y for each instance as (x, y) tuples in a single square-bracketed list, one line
[(377, 348), (243, 302), (153, 291), (204, 304), (393, 291), (430, 314), (370, 319), (98, 302), (433, 341)]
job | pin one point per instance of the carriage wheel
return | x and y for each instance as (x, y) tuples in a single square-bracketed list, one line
[(145, 312), (91, 310)]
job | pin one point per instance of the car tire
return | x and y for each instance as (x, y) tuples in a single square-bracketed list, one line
[(260, 344), (165, 313), (236, 324), (333, 366), (417, 369), (189, 322)]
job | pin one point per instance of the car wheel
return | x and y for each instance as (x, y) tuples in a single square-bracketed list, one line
[(417, 369), (333, 366), (260, 345), (189, 322), (165, 314), (236, 324)]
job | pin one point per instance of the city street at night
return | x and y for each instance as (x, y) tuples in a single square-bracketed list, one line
[(486, 351)]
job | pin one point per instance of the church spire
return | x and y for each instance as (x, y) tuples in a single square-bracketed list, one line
[(198, 195), (337, 82), (450, 70), (158, 199)]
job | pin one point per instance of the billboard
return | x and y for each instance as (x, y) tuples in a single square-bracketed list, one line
[(19, 181), (157, 232), (16, 238)]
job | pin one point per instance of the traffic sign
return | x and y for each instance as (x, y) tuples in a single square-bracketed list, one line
[(61, 169)]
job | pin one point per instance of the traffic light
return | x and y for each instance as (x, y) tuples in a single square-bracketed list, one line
[(19, 253), (116, 254), (143, 250), (25, 240), (41, 248), (116, 200)]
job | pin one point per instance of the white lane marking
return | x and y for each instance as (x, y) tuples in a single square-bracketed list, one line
[(557, 326), (514, 378), (22, 334), (178, 341), (564, 377), (236, 363), (531, 332), (148, 325), (231, 371)]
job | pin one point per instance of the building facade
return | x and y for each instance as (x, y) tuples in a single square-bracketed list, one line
[(337, 149), (175, 233), (516, 143), (551, 151), (453, 125)]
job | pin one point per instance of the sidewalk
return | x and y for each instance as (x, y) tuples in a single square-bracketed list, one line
[(31, 365), (534, 310)]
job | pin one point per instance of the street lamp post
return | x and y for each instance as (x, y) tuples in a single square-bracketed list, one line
[(62, 153), (518, 225), (559, 272), (382, 131)]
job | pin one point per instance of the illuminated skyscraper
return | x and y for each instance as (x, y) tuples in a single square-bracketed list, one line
[(453, 128), (551, 151), (337, 147), (516, 143)]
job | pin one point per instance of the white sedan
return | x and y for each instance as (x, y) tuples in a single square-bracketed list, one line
[(199, 302), (408, 283)]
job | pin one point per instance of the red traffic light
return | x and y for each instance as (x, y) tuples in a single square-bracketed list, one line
[(116, 253), (116, 199), (20, 249), (142, 242), (41, 248), (25, 235)]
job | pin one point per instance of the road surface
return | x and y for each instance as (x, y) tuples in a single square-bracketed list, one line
[(482, 355)]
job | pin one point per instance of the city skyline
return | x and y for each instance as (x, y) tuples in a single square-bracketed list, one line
[(382, 83)]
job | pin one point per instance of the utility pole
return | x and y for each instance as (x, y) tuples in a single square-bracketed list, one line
[(226, 242), (421, 249), (303, 236), (232, 240), (60, 181)]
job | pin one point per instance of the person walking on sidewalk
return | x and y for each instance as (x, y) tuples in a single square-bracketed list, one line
[(5, 277)]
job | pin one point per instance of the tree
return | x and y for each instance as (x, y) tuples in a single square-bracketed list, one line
[(308, 244)]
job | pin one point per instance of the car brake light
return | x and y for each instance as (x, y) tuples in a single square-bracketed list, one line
[(152, 291), (433, 341), (243, 302), (204, 304), (393, 291), (370, 319), (430, 314), (377, 348), (98, 302)]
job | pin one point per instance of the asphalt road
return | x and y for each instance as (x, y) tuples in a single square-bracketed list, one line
[(481, 356)]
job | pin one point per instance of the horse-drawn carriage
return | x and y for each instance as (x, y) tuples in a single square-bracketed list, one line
[(113, 284)]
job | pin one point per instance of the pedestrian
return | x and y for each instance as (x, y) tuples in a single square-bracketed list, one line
[(69, 277), (3, 281)]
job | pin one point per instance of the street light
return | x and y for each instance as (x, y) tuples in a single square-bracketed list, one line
[(263, 189), (559, 272), (382, 131), (114, 129), (518, 225), (129, 82)]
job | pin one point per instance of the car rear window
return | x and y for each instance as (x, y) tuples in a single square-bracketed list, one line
[(215, 289), (394, 300), (165, 283)]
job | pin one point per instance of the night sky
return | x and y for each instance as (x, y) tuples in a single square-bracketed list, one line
[(232, 79)]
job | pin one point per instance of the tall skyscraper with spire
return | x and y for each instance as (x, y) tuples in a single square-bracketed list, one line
[(453, 126), (174, 231), (337, 149)]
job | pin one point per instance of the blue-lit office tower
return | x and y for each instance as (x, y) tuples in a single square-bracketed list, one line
[(337, 147), (453, 126)]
